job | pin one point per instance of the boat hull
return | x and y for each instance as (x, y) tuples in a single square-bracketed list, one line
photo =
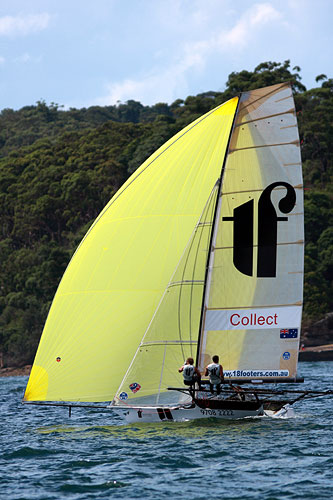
[(192, 412)]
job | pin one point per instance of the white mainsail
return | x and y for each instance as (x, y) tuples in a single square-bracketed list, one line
[(253, 299)]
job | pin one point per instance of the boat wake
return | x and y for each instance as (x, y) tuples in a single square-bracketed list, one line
[(286, 411)]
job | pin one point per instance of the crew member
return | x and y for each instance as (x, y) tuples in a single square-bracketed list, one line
[(215, 372), (191, 373)]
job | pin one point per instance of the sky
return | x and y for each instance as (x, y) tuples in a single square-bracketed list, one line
[(81, 53)]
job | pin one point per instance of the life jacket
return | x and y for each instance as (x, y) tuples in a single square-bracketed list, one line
[(188, 372), (214, 373)]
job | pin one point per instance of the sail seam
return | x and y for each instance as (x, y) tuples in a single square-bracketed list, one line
[(167, 342), (186, 282), (202, 224)]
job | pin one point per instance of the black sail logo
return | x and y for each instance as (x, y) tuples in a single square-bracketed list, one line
[(243, 217)]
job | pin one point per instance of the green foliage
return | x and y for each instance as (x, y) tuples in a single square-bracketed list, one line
[(59, 168), (268, 73)]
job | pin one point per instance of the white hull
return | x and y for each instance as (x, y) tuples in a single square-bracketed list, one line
[(135, 415)]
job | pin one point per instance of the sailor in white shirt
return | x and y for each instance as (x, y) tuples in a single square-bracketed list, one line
[(215, 372), (191, 373)]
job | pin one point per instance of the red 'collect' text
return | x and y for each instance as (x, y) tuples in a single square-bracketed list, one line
[(253, 319)]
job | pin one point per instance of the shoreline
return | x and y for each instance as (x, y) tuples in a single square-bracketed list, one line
[(14, 371), (316, 353)]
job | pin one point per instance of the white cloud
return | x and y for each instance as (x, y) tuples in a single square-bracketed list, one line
[(27, 58), (149, 89), (171, 81), (2, 60), (246, 27), (24, 58), (23, 25)]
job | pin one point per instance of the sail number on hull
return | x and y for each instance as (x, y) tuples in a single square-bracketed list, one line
[(217, 413)]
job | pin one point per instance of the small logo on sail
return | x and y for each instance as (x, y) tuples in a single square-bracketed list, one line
[(243, 217), (135, 387)]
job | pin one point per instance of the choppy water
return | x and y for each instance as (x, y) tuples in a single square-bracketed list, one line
[(47, 455)]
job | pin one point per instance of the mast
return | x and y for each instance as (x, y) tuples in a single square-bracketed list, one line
[(213, 233)]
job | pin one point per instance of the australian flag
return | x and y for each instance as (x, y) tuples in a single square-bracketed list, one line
[(289, 333), (135, 387)]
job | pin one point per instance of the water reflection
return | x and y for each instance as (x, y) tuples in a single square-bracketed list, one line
[(194, 429)]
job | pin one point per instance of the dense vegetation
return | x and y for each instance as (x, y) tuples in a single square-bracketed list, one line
[(59, 168)]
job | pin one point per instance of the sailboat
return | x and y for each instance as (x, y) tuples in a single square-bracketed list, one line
[(200, 253)]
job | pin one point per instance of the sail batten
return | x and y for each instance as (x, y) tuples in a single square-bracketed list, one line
[(290, 111), (260, 190), (292, 143), (238, 306), (168, 342), (299, 242)]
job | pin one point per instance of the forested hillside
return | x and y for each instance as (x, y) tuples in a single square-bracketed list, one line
[(59, 168)]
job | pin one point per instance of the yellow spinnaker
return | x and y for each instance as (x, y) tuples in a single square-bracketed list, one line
[(118, 274)]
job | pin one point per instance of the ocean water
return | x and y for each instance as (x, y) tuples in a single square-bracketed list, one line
[(47, 455)]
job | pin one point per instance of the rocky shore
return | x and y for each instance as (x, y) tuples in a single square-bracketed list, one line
[(317, 353), (12, 371), (317, 340), (319, 333)]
